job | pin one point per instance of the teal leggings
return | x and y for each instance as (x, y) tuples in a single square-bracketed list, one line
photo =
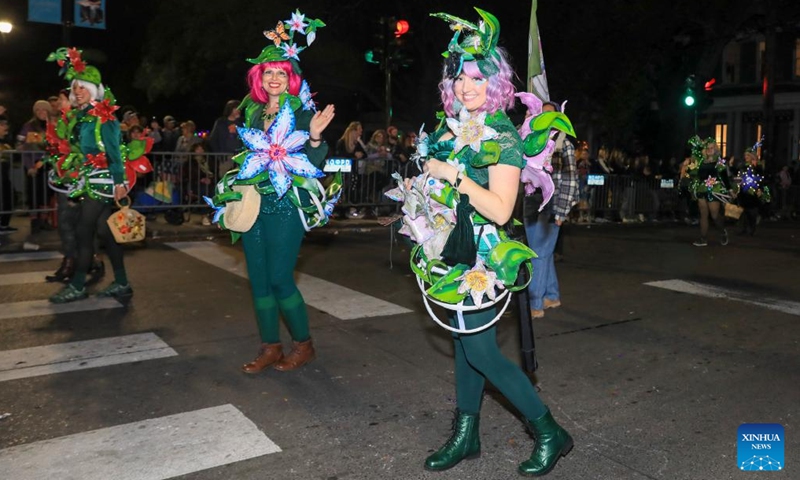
[(478, 358), (271, 249)]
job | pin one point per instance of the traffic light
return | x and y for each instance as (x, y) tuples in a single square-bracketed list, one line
[(401, 28), (689, 94), (389, 41)]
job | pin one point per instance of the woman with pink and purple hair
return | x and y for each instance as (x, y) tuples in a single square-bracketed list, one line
[(478, 153), (283, 141)]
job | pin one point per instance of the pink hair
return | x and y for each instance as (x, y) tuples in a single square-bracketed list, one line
[(499, 93), (255, 73)]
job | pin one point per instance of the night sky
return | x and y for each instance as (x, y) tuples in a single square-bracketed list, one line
[(118, 52)]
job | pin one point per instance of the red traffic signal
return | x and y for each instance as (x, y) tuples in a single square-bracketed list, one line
[(401, 28), (709, 85)]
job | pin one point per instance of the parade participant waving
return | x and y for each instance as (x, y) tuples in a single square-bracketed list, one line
[(454, 212), (274, 195), (92, 168)]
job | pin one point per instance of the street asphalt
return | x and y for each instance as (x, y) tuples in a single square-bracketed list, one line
[(651, 383)]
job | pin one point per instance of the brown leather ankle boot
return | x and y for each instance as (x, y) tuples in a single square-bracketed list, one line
[(268, 355), (301, 354)]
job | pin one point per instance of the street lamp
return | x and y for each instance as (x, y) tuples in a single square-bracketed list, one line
[(5, 27)]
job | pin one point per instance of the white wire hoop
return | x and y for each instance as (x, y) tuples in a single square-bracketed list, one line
[(460, 308)]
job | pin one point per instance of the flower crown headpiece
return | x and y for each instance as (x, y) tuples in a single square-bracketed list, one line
[(283, 46), (479, 43), (755, 146), (73, 67)]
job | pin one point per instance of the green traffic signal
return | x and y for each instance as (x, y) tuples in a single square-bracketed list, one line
[(688, 99)]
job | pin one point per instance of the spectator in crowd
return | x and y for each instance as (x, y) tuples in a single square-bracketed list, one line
[(129, 119), (584, 166), (378, 157), (405, 166), (6, 190), (188, 138), (169, 135), (785, 184), (224, 137), (201, 179), (543, 231), (55, 106), (392, 139), (351, 146), (31, 137)]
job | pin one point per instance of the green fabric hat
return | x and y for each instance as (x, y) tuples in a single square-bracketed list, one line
[(283, 46), (90, 74), (73, 67), (479, 43)]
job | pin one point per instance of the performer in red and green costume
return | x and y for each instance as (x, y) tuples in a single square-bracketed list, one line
[(93, 168), (274, 196)]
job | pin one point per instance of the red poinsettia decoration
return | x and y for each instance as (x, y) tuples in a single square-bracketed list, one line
[(97, 161), (75, 60), (55, 145), (139, 165), (103, 110)]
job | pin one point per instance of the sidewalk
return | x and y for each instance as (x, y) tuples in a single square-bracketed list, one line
[(159, 230)]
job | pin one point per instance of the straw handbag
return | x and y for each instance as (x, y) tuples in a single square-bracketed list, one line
[(126, 224), (733, 211)]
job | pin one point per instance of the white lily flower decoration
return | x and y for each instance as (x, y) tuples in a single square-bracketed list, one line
[(291, 51), (298, 22), (479, 281), (470, 130)]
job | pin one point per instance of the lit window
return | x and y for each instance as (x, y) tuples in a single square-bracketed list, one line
[(721, 136), (796, 59)]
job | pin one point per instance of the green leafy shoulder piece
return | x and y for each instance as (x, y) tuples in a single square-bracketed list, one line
[(505, 149)]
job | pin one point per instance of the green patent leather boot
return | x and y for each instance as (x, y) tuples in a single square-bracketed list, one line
[(552, 443), (464, 443)]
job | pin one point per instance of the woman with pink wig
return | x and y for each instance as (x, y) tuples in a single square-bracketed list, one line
[(477, 155), (261, 201)]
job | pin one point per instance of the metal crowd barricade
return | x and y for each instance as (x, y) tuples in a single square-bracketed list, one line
[(23, 187), (628, 196), (180, 180)]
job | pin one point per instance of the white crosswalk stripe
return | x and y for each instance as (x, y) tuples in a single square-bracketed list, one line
[(712, 291), (65, 357), (35, 308), (23, 278), (152, 449), (28, 256), (339, 301)]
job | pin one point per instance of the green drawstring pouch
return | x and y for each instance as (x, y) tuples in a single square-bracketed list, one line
[(461, 246)]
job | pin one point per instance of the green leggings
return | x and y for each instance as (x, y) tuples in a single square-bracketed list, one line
[(271, 249), (478, 358)]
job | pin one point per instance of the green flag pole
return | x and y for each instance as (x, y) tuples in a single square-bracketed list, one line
[(537, 77)]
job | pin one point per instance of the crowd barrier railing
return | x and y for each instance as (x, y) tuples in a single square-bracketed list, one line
[(180, 180)]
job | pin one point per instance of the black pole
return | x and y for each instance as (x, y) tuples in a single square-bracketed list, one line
[(66, 22), (526, 335)]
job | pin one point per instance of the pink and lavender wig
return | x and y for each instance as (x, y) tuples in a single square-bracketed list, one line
[(499, 93), (255, 73)]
